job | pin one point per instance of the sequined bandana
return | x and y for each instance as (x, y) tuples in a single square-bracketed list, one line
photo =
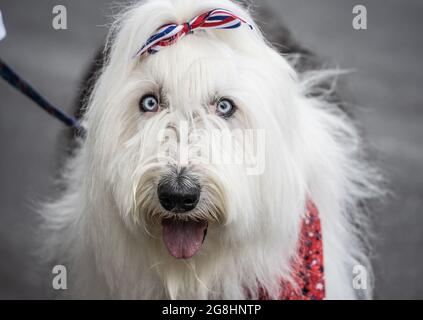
[(308, 271)]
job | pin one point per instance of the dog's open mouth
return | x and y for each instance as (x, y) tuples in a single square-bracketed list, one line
[(183, 238)]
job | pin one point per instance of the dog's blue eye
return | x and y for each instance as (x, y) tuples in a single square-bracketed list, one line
[(149, 103), (225, 108)]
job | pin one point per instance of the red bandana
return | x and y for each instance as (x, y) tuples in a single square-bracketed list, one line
[(308, 271)]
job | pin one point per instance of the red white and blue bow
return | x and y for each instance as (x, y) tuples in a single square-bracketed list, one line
[(171, 33)]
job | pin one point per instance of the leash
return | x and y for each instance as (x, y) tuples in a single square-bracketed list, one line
[(25, 88)]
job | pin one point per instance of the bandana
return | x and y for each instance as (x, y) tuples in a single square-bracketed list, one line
[(308, 271), (171, 33)]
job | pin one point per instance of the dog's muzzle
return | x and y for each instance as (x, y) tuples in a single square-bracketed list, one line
[(179, 194)]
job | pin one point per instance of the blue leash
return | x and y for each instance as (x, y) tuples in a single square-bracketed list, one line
[(16, 81)]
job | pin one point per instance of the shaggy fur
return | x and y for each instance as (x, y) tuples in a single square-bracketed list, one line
[(105, 227)]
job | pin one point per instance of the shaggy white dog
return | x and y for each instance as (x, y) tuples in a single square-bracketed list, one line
[(148, 211)]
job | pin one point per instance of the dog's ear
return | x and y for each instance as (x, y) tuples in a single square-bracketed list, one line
[(80, 105), (88, 82)]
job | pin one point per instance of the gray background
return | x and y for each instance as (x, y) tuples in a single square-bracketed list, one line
[(386, 84)]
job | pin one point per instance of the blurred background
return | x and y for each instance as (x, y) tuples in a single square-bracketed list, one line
[(386, 85)]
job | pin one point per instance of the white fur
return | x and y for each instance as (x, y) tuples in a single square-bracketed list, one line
[(105, 226)]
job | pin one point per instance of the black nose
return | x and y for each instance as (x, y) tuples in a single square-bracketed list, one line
[(178, 195)]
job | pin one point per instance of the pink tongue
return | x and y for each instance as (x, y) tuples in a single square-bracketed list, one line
[(183, 238)]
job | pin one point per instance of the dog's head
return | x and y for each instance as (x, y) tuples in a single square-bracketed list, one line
[(196, 143)]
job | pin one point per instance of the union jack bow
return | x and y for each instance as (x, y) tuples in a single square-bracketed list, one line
[(171, 33)]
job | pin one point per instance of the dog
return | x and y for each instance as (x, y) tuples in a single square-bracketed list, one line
[(208, 153)]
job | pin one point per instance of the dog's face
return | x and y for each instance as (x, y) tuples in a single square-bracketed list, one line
[(187, 138), (196, 141)]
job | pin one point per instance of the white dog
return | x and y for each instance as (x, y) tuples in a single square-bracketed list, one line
[(150, 211)]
